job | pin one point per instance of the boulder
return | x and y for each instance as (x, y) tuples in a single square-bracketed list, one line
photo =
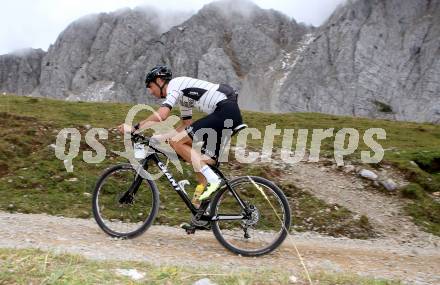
[(368, 174)]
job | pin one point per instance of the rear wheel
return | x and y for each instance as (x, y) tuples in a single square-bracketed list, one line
[(119, 212), (266, 216)]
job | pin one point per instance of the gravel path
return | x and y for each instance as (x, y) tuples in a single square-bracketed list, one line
[(167, 245)]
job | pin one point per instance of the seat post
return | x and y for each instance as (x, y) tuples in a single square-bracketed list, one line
[(227, 140)]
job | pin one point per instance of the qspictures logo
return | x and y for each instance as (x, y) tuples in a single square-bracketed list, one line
[(345, 142)]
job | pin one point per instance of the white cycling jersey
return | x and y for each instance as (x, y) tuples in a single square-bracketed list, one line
[(191, 92)]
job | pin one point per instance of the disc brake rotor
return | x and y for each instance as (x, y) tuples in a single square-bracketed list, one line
[(254, 217)]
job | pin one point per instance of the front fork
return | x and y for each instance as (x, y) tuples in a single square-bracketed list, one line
[(128, 196)]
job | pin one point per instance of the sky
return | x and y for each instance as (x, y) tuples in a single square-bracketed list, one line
[(37, 23)]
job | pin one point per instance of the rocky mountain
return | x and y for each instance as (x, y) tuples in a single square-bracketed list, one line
[(376, 58), (93, 58), (20, 71), (105, 56)]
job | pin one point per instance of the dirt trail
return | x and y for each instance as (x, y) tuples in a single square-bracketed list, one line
[(168, 245), (403, 251)]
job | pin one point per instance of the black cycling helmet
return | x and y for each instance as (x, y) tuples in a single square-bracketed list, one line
[(161, 71)]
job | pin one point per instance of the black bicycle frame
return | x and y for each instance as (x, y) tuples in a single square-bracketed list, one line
[(155, 158)]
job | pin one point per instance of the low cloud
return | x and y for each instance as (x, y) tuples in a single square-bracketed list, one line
[(39, 23)]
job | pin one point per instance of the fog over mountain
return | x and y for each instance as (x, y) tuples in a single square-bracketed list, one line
[(370, 58)]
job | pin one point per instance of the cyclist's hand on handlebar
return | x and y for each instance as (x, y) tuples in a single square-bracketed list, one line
[(124, 128)]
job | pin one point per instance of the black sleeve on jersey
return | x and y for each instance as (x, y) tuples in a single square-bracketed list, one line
[(167, 105), (194, 93), (186, 118)]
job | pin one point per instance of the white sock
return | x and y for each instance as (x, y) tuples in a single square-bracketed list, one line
[(210, 175)]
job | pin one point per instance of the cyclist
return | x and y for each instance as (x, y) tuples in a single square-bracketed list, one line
[(219, 101)]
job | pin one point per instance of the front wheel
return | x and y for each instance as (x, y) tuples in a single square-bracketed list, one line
[(265, 216), (124, 204)]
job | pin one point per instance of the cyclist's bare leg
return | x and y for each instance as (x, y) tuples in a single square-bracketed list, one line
[(182, 144), (201, 179)]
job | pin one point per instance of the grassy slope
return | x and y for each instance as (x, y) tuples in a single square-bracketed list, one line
[(33, 180)]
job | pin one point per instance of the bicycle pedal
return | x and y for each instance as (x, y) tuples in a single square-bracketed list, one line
[(202, 209), (199, 223), (189, 228), (191, 231)]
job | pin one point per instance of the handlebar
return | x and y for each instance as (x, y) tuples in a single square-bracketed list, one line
[(135, 138), (152, 144)]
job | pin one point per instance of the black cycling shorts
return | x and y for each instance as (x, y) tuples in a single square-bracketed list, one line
[(209, 129)]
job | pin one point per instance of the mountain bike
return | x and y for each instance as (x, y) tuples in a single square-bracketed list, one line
[(248, 215)]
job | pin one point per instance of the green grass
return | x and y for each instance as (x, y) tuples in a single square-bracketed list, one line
[(33, 180), (423, 208), (31, 266), (334, 278)]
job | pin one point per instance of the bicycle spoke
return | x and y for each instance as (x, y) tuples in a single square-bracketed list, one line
[(260, 229), (117, 209)]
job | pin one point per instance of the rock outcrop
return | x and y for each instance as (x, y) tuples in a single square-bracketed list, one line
[(20, 71), (370, 58), (96, 52), (104, 57)]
